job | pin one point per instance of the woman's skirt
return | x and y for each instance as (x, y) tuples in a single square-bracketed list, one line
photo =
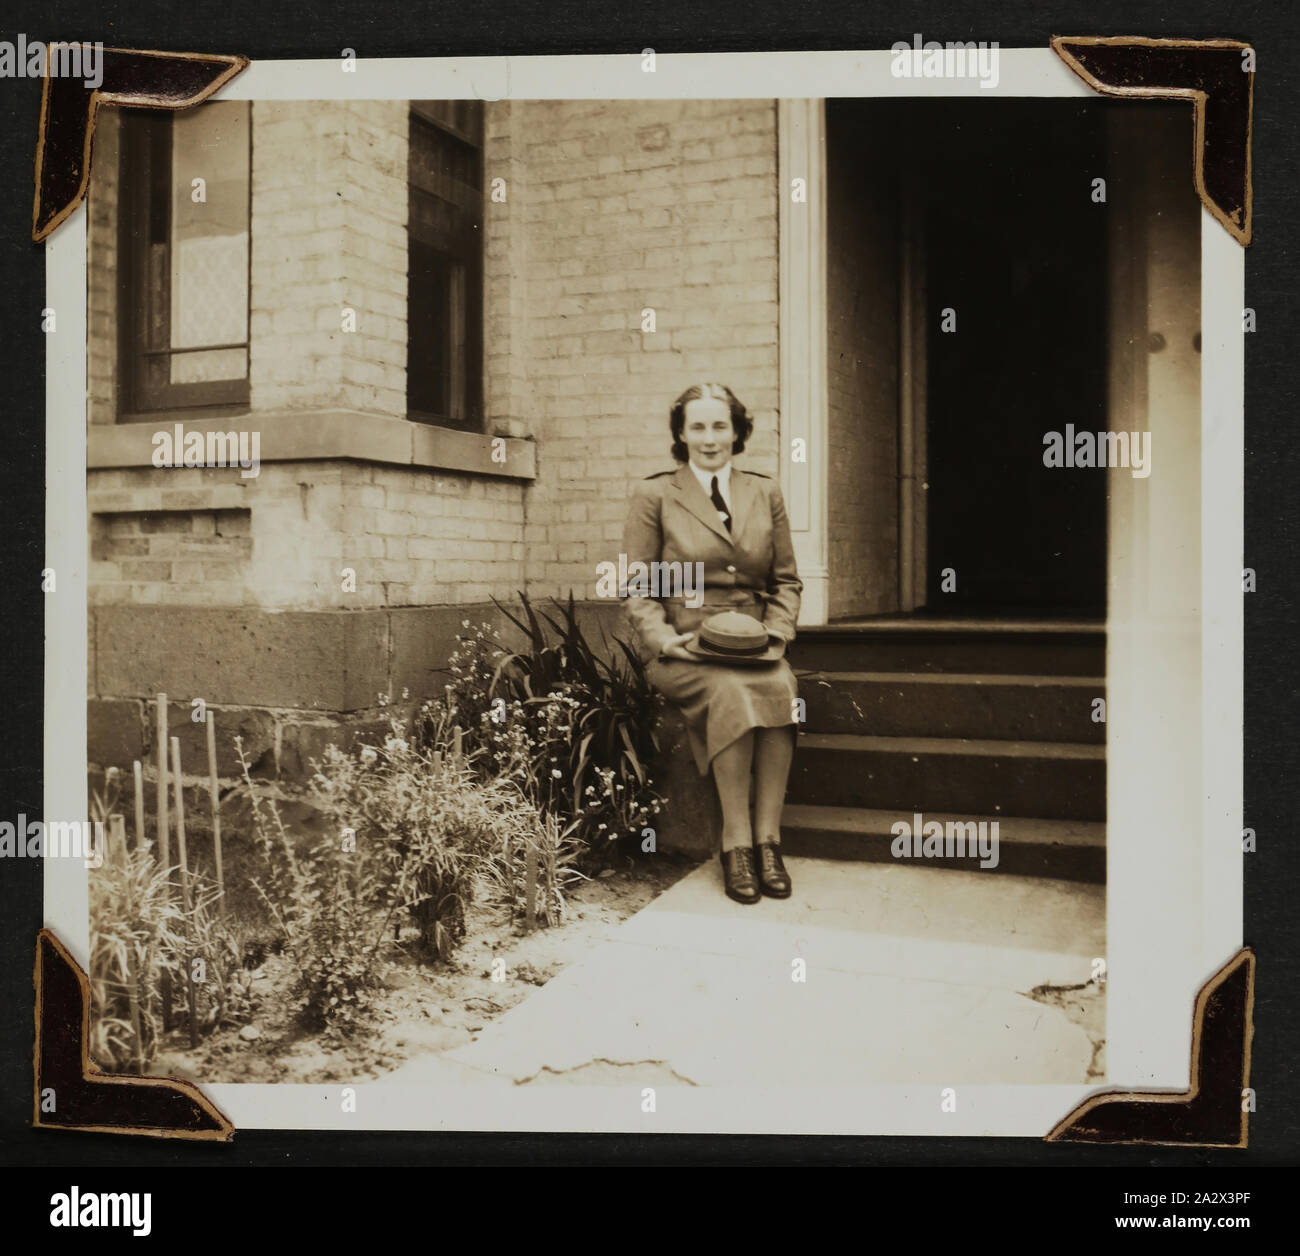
[(721, 702)]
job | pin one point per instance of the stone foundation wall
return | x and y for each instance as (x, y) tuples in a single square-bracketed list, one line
[(287, 682)]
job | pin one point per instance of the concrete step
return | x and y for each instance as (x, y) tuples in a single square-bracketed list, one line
[(953, 704), (1055, 780), (915, 644), (1071, 850)]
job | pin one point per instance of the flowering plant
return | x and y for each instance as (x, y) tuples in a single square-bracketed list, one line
[(574, 728), (423, 817)]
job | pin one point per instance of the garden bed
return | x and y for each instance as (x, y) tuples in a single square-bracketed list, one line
[(421, 1009), (340, 929)]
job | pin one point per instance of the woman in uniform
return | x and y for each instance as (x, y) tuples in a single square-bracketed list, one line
[(725, 672)]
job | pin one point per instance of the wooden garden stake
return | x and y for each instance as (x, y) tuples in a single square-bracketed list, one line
[(117, 839), (164, 845), (139, 805), (216, 814), (456, 742), (179, 793)]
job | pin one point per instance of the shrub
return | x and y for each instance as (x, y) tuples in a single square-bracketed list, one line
[(431, 821), (574, 728), (330, 909), (416, 830), (225, 995), (135, 936), (141, 937), (542, 860)]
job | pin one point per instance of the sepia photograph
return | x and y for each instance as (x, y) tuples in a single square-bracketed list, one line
[(626, 597)]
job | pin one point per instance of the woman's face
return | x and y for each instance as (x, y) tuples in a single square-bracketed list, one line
[(707, 432)]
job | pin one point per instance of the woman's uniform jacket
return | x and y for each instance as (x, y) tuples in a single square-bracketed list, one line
[(750, 569)]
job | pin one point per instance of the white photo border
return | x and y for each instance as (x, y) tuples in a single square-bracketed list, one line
[(1165, 934)]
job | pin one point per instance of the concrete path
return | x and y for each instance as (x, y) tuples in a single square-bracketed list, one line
[(913, 974)]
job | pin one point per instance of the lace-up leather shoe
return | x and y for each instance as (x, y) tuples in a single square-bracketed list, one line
[(738, 875), (772, 876)]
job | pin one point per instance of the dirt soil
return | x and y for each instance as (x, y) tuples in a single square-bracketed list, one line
[(421, 1009)]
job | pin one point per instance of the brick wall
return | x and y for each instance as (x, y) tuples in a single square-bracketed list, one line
[(507, 395), (662, 205), (140, 555), (329, 206), (668, 205), (329, 202), (411, 538), (199, 575), (101, 272)]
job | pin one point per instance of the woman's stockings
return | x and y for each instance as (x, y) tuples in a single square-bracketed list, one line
[(731, 774), (766, 753), (773, 752)]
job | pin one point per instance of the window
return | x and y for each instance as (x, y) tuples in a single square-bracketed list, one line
[(183, 257), (444, 285)]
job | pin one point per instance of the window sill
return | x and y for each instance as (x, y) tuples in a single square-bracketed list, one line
[(323, 434)]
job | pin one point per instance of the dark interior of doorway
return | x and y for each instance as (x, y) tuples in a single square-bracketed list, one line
[(1013, 242)]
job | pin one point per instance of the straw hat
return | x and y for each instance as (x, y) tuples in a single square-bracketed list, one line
[(733, 637)]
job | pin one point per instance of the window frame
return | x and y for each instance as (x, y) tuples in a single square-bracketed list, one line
[(468, 251), (144, 210)]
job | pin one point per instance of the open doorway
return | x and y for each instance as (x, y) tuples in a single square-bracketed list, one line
[(967, 318)]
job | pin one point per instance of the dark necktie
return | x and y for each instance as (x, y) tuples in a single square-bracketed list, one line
[(719, 505)]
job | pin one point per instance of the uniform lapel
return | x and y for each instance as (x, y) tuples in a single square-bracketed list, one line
[(696, 500), (743, 490)]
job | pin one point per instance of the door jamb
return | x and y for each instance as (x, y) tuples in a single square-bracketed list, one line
[(804, 452), (912, 443)]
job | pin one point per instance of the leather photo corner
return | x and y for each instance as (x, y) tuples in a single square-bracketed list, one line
[(1213, 1111), (1216, 75), (65, 137), (73, 1093)]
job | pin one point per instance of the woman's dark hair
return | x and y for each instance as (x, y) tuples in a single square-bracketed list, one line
[(741, 423)]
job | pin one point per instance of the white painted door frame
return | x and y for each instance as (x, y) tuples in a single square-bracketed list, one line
[(805, 445), (804, 400)]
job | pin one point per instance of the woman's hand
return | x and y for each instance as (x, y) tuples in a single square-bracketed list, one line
[(675, 648)]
